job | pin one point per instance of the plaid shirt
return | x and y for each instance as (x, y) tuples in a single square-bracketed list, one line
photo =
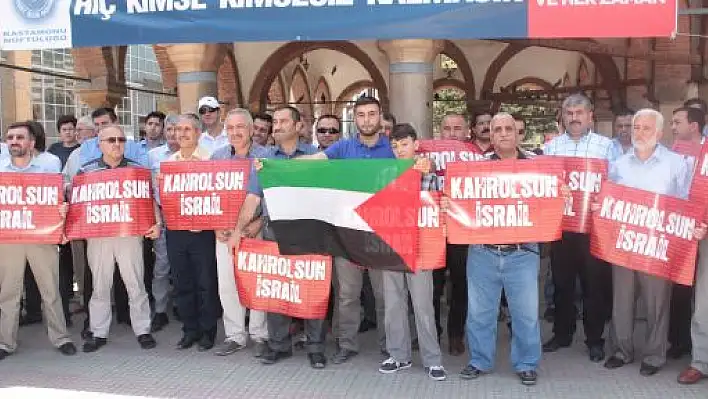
[(590, 145)]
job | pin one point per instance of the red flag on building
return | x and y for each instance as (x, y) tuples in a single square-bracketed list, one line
[(111, 203), (293, 285), (203, 195), (29, 208), (647, 232)]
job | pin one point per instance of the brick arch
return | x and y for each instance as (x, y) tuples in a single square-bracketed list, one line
[(349, 91), (451, 50), (279, 58), (449, 83), (168, 69), (300, 88), (229, 82), (322, 90), (604, 64), (276, 92), (543, 83)]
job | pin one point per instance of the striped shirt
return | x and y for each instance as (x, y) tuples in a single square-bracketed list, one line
[(590, 145), (99, 164)]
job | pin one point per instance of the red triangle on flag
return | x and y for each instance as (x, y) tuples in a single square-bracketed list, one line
[(392, 214)]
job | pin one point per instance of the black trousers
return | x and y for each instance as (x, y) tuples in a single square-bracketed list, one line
[(680, 316), (456, 264), (570, 258), (33, 300), (192, 258)]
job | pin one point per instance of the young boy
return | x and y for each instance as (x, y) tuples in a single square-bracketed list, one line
[(397, 286)]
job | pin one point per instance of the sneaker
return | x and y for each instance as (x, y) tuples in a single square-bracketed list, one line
[(437, 373), (390, 365), (229, 348), (470, 372)]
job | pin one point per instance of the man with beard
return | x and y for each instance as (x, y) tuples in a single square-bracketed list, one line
[(328, 131), (570, 257), (368, 143), (262, 128), (161, 270), (652, 167), (622, 130), (481, 138)]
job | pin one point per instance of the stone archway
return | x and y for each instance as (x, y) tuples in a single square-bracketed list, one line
[(349, 91), (451, 50), (276, 92), (300, 95), (531, 80), (258, 94), (322, 98)]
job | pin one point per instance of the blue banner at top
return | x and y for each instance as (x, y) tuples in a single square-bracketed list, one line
[(30, 24)]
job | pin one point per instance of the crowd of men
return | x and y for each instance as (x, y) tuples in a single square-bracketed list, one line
[(140, 276)]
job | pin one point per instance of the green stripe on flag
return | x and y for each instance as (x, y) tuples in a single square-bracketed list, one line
[(360, 175)]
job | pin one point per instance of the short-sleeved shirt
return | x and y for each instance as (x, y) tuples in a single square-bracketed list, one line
[(228, 152), (36, 165), (664, 172), (353, 148), (211, 143), (589, 145), (62, 152)]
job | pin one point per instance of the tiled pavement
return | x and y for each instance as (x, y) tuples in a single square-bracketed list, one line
[(121, 370)]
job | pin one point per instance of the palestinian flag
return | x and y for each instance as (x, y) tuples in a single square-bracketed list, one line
[(363, 210)]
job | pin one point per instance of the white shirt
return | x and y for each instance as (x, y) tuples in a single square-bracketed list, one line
[(211, 143)]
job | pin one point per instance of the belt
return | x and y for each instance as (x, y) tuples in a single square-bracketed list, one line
[(504, 248)]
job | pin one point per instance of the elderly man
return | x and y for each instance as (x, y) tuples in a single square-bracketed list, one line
[(213, 135), (652, 167), (43, 258), (161, 271), (286, 125), (513, 268), (571, 255), (239, 127), (104, 253), (192, 256)]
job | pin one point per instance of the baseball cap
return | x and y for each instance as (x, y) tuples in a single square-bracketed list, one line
[(208, 101)]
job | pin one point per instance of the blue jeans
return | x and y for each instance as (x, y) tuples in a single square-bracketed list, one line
[(488, 271)]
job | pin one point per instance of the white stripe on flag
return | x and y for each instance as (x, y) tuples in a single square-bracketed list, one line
[(335, 207)]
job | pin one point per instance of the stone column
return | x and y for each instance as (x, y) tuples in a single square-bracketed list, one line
[(16, 89), (411, 81), (197, 66)]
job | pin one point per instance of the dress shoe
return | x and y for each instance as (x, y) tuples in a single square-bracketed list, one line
[(317, 360), (528, 377), (272, 357), (677, 351), (614, 363), (554, 344), (159, 321), (366, 325), (648, 370), (30, 319), (146, 341), (229, 348), (457, 346), (92, 344), (690, 376), (596, 353), (205, 343), (4, 354), (187, 341), (470, 372), (343, 356), (67, 349)]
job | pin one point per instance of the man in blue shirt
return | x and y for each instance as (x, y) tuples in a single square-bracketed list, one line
[(154, 130), (368, 143), (651, 167), (43, 258)]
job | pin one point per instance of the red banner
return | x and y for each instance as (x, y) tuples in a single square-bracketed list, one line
[(110, 203), (505, 202), (203, 195), (442, 152), (432, 241), (584, 177), (293, 285), (601, 18), (699, 185), (647, 232), (29, 208)]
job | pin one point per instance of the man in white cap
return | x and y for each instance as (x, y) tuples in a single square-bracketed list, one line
[(213, 136)]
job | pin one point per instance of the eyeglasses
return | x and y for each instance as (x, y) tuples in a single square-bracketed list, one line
[(204, 110), (113, 140), (331, 130)]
